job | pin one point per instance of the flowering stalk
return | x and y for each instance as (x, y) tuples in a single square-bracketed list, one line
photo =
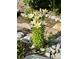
[(38, 28)]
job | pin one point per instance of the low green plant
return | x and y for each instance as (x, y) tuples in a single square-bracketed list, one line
[(22, 49)]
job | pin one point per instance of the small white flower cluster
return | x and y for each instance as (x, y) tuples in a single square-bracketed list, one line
[(36, 23), (37, 16)]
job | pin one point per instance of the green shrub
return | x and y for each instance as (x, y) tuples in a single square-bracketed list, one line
[(22, 49)]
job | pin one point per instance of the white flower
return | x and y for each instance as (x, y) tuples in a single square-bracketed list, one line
[(37, 25), (45, 11), (24, 15), (44, 23), (30, 15), (36, 17), (40, 10), (33, 22)]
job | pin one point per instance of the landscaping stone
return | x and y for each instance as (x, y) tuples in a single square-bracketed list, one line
[(27, 39), (23, 25), (58, 46), (59, 39), (20, 35), (35, 57)]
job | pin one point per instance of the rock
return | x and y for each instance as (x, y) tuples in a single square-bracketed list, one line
[(57, 27), (53, 46), (35, 57), (48, 49), (25, 31), (58, 19), (57, 56), (52, 56), (24, 15), (20, 5), (20, 35), (52, 28), (57, 47), (59, 39), (52, 50), (23, 25), (47, 54), (52, 17), (27, 39), (42, 49)]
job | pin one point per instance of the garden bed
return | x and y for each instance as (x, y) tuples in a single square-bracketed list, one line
[(42, 41)]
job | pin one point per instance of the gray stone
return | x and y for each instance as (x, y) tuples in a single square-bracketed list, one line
[(27, 39), (20, 35), (57, 47), (24, 15), (23, 25), (35, 57), (59, 39)]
